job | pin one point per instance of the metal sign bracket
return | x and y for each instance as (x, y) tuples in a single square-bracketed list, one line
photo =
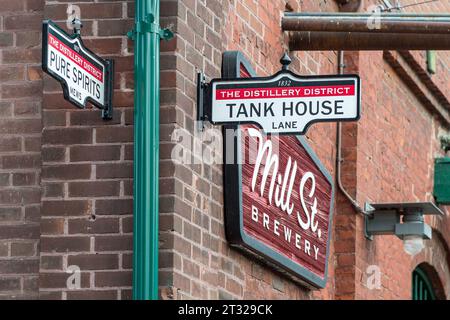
[(202, 101), (107, 112)]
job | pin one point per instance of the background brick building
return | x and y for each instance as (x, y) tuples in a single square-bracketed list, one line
[(66, 175)]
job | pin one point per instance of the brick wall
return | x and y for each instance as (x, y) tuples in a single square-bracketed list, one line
[(396, 142), (20, 144), (196, 261), (66, 175), (87, 169)]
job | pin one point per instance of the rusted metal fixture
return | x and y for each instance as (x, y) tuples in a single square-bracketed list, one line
[(316, 41), (367, 31), (376, 23)]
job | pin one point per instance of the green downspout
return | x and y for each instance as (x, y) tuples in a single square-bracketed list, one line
[(147, 35)]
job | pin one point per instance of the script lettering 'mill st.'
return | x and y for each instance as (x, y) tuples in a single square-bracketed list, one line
[(277, 187)]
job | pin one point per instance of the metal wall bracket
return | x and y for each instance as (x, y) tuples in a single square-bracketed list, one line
[(367, 210), (399, 219), (202, 104), (148, 25), (107, 112), (77, 25)]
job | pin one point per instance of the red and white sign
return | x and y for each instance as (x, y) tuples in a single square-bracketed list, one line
[(285, 102), (83, 75), (284, 195)]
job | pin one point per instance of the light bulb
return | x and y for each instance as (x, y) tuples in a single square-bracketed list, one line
[(413, 244)]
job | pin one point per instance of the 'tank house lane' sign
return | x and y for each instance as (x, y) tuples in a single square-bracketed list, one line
[(83, 75), (285, 103)]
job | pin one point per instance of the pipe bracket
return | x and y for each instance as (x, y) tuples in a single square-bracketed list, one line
[(148, 25)]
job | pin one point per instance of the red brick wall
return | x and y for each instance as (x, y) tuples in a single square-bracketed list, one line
[(196, 260), (20, 144), (388, 156), (87, 169), (66, 175), (397, 143)]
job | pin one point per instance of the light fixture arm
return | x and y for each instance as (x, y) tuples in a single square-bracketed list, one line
[(400, 219)]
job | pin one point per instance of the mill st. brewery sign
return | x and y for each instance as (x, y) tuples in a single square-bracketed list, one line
[(278, 195), (84, 76), (278, 202)]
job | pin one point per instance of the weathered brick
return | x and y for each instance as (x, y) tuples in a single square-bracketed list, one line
[(32, 144), (27, 109), (67, 136), (113, 243), (9, 144), (19, 266), (23, 249), (22, 22), (10, 214), (95, 153), (53, 154), (20, 147), (20, 196), (23, 55), (114, 207), (94, 261), (11, 73), (51, 262), (24, 126), (113, 279), (24, 179), (51, 190), (89, 118), (90, 226), (54, 118), (52, 226), (114, 134), (66, 207), (114, 170), (94, 189), (21, 161), (9, 284), (66, 172), (65, 244), (28, 39)]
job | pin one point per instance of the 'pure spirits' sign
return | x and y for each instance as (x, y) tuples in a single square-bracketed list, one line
[(83, 75)]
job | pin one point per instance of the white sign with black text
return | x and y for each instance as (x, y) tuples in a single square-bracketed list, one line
[(286, 103), (83, 75)]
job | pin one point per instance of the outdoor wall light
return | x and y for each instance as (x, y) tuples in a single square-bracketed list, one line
[(405, 220)]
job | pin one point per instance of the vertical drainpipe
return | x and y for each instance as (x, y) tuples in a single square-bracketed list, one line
[(146, 34)]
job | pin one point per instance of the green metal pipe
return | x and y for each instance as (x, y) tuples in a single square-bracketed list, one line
[(146, 151)]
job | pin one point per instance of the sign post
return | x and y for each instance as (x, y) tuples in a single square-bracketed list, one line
[(284, 103), (84, 76)]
